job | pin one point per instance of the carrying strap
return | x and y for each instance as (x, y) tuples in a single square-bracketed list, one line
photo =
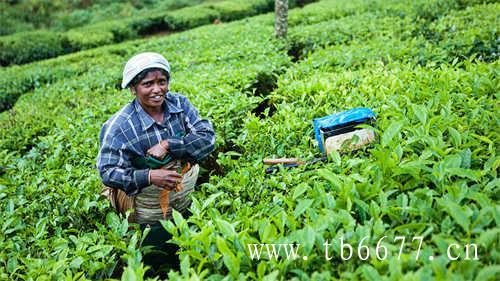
[(120, 201)]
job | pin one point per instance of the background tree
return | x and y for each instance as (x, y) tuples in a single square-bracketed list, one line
[(281, 18)]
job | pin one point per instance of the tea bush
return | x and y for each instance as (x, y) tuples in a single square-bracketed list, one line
[(14, 51), (59, 15), (30, 46), (433, 173)]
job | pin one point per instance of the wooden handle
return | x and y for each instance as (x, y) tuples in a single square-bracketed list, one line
[(280, 161)]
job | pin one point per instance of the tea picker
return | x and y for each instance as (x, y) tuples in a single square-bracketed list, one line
[(337, 132)]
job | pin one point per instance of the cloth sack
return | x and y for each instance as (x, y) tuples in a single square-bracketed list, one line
[(146, 204)]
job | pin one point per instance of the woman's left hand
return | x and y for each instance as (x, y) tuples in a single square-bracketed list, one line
[(159, 150)]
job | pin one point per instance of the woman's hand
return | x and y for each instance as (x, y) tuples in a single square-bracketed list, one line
[(166, 179), (158, 150)]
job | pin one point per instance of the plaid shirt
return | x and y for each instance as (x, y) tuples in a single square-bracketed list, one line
[(131, 132)]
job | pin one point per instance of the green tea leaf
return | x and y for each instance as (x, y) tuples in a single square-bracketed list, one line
[(369, 273), (331, 177), (458, 214), (455, 136), (420, 112), (269, 233), (230, 260), (178, 219), (466, 158), (302, 206), (389, 134), (299, 190), (463, 173), (75, 263), (489, 237), (225, 227), (488, 273), (185, 265)]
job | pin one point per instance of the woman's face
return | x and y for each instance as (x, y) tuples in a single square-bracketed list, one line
[(151, 90)]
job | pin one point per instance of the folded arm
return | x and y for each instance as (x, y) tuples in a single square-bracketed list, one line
[(199, 140), (116, 170)]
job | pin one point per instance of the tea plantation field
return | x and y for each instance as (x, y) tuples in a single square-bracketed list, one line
[(428, 69)]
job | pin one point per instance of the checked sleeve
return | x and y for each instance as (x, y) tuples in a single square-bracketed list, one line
[(199, 140), (115, 167)]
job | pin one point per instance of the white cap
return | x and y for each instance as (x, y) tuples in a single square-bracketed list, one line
[(143, 61)]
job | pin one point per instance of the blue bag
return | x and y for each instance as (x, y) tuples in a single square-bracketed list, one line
[(340, 123)]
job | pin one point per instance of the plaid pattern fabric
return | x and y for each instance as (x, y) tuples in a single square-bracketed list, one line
[(131, 132)]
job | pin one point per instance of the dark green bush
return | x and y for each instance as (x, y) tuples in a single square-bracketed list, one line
[(168, 5), (66, 21), (265, 6), (12, 20), (224, 10), (432, 10), (190, 17), (49, 44), (468, 33), (17, 80), (232, 10), (122, 30), (30, 46), (86, 39), (61, 15), (433, 173), (148, 24)]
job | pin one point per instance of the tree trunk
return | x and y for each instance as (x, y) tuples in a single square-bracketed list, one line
[(281, 18)]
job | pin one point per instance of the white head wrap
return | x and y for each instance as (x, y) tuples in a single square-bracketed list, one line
[(143, 61)]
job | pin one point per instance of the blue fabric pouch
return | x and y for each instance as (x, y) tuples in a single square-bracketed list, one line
[(340, 123)]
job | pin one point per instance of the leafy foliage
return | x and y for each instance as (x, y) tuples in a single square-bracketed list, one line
[(61, 15), (433, 173), (12, 50)]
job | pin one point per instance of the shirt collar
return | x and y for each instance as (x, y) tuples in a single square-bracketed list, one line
[(173, 104), (148, 121)]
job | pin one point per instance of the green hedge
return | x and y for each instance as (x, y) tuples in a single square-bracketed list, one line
[(30, 46), (434, 172), (185, 19), (100, 34), (457, 34), (238, 9), (20, 79), (17, 80), (322, 24), (37, 45)]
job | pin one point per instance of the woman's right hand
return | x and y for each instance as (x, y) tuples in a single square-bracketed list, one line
[(159, 150), (167, 179)]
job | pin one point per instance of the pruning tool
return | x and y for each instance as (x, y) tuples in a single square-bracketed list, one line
[(289, 163)]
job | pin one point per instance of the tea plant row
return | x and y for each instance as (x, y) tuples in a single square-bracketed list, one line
[(433, 173)]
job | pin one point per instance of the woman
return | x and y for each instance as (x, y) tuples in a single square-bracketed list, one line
[(157, 125)]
